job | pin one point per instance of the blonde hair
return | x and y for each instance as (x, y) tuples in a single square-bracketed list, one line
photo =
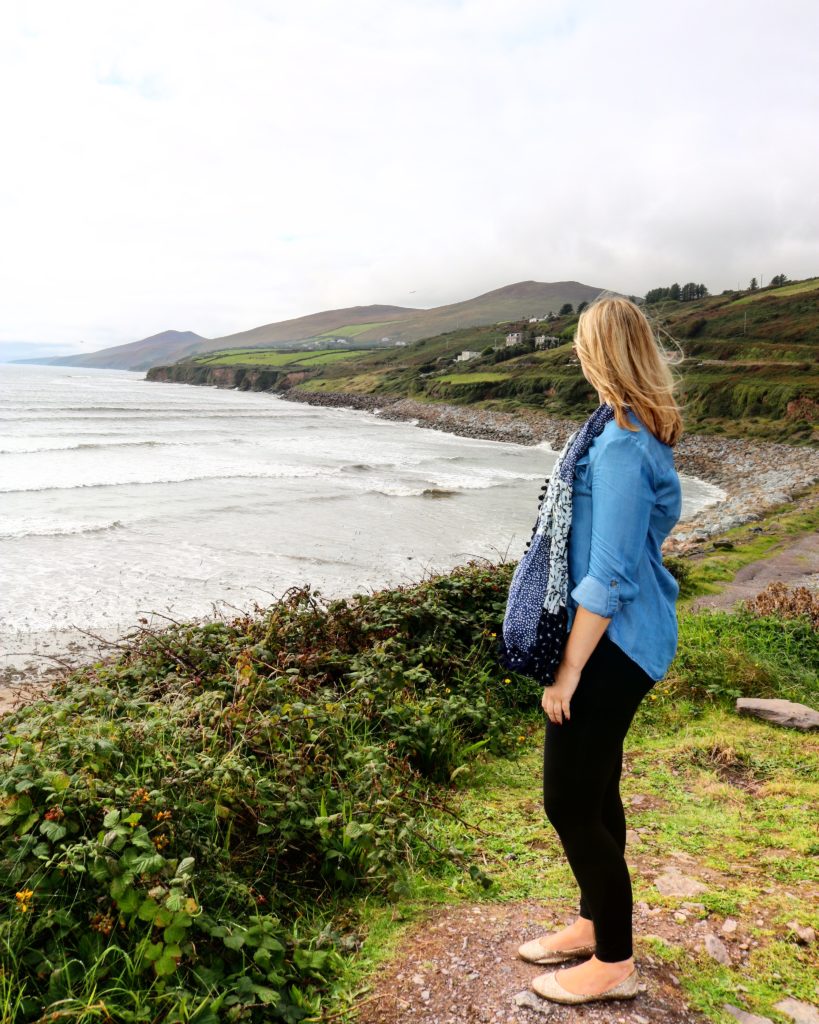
[(623, 359)]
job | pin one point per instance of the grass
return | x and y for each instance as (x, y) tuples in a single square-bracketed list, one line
[(705, 573), (471, 378), (353, 330), (209, 826), (676, 754), (797, 288), (272, 357), (749, 366)]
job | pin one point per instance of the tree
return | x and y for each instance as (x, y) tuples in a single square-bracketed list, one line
[(580, 307), (566, 309), (754, 284), (687, 293), (778, 280)]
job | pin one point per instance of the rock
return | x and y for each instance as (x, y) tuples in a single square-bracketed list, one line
[(418, 979), (780, 712), (425, 994), (672, 882), (717, 949), (804, 933), (533, 1002), (729, 926), (802, 1013), (680, 917), (744, 1017)]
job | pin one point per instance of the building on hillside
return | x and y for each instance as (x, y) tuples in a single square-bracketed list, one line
[(547, 341), (532, 319), (467, 353), (400, 344), (515, 338)]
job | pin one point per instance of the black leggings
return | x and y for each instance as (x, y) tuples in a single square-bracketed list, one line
[(582, 762)]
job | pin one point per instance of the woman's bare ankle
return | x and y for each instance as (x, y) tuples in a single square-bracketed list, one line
[(579, 932)]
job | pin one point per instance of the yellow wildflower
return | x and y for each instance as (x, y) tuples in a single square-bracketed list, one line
[(24, 899)]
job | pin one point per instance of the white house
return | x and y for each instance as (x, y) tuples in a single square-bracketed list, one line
[(547, 341), (400, 344), (516, 338), (467, 353)]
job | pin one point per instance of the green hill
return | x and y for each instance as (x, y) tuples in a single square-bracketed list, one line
[(748, 365)]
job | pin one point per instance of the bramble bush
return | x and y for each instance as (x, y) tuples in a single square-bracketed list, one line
[(169, 819)]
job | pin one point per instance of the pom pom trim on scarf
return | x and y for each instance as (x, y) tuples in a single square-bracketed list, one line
[(534, 625)]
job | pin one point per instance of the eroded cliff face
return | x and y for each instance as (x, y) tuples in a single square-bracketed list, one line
[(244, 378)]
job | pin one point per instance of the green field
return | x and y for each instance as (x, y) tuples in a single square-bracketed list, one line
[(274, 357), (470, 378), (353, 330), (812, 284)]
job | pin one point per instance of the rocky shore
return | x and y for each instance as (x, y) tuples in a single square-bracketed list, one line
[(755, 476)]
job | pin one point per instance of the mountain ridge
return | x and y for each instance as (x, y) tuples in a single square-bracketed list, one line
[(362, 325)]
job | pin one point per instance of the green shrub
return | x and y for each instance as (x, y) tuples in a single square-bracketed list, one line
[(168, 819)]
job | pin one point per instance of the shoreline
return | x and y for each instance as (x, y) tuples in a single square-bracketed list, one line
[(777, 472), (755, 476)]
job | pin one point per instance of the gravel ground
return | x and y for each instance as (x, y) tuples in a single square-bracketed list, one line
[(459, 964)]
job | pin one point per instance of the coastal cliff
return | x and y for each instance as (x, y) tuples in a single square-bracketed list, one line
[(243, 378)]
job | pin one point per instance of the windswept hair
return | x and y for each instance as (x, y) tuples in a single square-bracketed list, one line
[(623, 359)]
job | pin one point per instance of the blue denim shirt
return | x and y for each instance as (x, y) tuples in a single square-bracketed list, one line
[(626, 498)]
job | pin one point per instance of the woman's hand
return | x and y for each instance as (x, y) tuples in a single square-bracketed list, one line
[(556, 697)]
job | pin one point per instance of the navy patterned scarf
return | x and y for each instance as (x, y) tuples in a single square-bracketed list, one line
[(534, 626)]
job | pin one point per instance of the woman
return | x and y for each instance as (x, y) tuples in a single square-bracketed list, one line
[(622, 637)]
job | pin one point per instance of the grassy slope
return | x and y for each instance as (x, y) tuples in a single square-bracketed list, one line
[(369, 324), (749, 368), (334, 775), (734, 793)]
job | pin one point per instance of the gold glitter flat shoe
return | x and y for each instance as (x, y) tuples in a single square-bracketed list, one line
[(549, 987), (536, 953)]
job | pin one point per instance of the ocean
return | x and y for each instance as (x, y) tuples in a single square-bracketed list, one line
[(125, 498)]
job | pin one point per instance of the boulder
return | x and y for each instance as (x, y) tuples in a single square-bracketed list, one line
[(779, 712)]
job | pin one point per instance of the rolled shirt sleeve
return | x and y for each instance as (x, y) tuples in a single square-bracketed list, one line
[(622, 499)]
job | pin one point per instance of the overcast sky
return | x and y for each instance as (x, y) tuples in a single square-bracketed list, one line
[(212, 166)]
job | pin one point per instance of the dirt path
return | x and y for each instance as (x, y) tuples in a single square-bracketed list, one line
[(460, 966), (459, 963), (795, 563)]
